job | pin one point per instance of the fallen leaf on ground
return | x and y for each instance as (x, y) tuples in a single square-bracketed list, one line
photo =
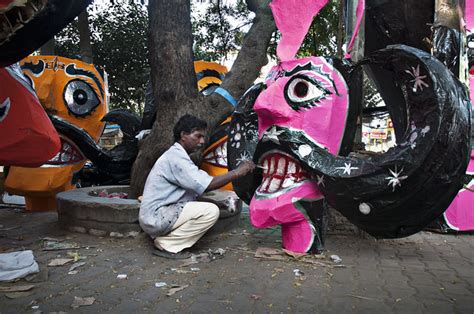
[(282, 255), (294, 254), (363, 298), (269, 253), (311, 259), (76, 265), (76, 256), (182, 271), (16, 288), (78, 301), (175, 289), (16, 295), (277, 271), (60, 261), (50, 244)]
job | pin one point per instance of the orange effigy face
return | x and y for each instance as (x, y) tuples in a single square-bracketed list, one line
[(209, 77), (76, 93)]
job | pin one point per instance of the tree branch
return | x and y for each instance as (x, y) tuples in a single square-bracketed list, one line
[(253, 55)]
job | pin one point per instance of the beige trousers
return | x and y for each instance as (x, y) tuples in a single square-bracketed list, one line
[(195, 219)]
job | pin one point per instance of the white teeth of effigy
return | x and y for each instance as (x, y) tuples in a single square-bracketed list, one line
[(55, 158), (65, 157), (274, 185), (265, 166), (287, 183), (281, 166), (265, 184), (272, 165), (291, 167), (66, 152), (221, 155), (279, 172), (218, 156)]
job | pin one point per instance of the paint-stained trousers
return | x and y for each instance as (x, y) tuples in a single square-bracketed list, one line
[(195, 219)]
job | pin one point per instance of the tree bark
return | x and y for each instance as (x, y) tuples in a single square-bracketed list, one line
[(174, 81), (85, 38), (340, 29)]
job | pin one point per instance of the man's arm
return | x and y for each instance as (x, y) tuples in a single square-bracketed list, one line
[(223, 179)]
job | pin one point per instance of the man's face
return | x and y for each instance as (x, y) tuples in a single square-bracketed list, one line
[(193, 141)]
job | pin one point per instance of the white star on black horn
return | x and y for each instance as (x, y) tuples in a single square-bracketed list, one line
[(272, 135), (320, 179), (395, 179), (347, 168), (244, 156)]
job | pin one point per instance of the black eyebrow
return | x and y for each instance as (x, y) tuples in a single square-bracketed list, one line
[(209, 73), (71, 70), (35, 69), (309, 66)]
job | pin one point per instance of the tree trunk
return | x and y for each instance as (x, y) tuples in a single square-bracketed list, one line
[(340, 29), (85, 38), (174, 81)]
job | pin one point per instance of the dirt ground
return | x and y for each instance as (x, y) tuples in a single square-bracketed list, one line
[(242, 270)]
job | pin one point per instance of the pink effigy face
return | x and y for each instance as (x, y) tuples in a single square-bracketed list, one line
[(307, 95)]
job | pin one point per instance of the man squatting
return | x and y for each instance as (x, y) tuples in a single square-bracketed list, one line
[(169, 212)]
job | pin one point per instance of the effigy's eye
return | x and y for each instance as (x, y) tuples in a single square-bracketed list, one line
[(303, 91), (80, 98)]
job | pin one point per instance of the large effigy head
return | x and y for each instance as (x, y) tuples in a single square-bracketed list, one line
[(25, 25), (74, 94), (70, 90), (299, 125), (310, 97)]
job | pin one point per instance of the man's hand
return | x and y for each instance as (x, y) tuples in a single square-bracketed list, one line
[(219, 181), (244, 168)]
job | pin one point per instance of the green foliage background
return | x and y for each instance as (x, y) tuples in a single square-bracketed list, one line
[(119, 41), (119, 45)]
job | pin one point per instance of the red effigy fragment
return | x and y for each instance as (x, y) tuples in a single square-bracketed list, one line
[(28, 137)]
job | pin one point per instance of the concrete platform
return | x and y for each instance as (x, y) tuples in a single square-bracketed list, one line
[(82, 210)]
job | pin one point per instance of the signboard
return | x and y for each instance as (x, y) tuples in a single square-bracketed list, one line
[(378, 134)]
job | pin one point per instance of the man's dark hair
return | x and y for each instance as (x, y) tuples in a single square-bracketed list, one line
[(187, 124)]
